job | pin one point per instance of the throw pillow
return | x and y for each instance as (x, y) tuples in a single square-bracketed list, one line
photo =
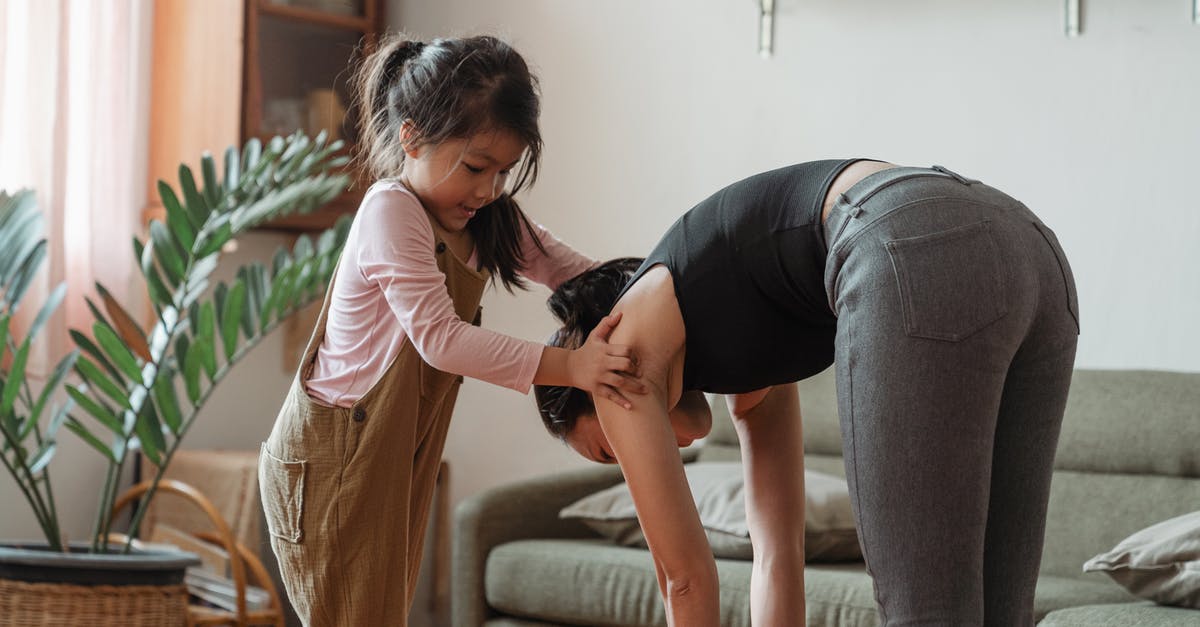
[(1160, 562), (718, 489)]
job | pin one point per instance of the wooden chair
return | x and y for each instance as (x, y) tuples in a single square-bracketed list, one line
[(240, 558)]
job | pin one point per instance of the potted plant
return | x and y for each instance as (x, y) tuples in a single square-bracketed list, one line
[(139, 389)]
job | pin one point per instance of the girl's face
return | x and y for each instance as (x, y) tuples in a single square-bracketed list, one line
[(456, 178)]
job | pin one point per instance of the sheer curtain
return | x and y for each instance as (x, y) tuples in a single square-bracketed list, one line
[(74, 85)]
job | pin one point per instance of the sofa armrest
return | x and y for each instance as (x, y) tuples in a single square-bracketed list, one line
[(522, 510)]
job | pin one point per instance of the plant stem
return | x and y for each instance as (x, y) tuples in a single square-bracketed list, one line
[(43, 522), (101, 511)]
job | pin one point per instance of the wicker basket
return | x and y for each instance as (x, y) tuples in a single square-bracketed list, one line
[(28, 604)]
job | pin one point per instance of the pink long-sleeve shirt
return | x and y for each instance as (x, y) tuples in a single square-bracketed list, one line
[(388, 288)]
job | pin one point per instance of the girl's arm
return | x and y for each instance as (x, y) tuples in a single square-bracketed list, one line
[(558, 263), (396, 253), (771, 436)]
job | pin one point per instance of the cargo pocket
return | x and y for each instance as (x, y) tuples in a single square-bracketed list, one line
[(1068, 277), (283, 495), (951, 283)]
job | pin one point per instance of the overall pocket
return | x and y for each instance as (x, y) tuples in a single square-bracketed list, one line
[(951, 283), (282, 486)]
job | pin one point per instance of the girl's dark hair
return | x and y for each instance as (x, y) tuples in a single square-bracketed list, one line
[(453, 89), (579, 304)]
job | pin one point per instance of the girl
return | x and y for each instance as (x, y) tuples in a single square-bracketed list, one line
[(348, 471), (952, 314)]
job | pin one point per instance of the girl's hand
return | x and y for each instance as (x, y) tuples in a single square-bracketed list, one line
[(603, 369)]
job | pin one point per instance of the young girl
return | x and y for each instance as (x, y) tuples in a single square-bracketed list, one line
[(348, 471)]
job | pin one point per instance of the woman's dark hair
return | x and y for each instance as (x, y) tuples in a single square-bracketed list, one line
[(453, 89), (579, 304)]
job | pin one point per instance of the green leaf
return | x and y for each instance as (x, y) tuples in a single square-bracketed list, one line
[(52, 303), (251, 154), (232, 317), (232, 169), (92, 374), (168, 401), (116, 350), (42, 457), (16, 376), (206, 326), (196, 205), (52, 384), (82, 341), (60, 414), (149, 432), (97, 410), (24, 275), (191, 372), (167, 250), (182, 344), (160, 296), (178, 218), (78, 429), (212, 189), (219, 296)]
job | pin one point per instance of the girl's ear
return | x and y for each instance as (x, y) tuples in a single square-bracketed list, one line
[(408, 139)]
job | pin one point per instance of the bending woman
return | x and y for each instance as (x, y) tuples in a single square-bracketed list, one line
[(950, 311)]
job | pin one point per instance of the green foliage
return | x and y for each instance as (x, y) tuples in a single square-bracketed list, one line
[(142, 388)]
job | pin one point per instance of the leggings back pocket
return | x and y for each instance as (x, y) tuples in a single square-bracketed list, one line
[(951, 283), (282, 485)]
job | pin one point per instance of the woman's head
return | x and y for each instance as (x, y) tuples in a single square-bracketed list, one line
[(579, 304), (457, 120)]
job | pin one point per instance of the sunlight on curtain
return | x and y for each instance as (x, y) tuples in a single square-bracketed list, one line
[(74, 79)]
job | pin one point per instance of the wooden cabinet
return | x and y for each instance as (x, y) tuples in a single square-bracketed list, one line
[(224, 71)]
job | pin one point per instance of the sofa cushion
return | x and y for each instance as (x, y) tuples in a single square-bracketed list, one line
[(1122, 615), (592, 582), (720, 500), (1092, 512), (1055, 593), (1160, 563), (1108, 411)]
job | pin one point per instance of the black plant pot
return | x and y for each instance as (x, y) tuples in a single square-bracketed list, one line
[(35, 563)]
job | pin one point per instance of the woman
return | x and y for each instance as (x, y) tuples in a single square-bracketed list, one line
[(951, 312)]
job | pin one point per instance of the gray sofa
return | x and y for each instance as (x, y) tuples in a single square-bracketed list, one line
[(1129, 457)]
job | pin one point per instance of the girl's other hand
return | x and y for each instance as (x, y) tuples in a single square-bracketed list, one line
[(606, 370)]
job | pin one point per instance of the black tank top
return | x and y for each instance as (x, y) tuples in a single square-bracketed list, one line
[(749, 270)]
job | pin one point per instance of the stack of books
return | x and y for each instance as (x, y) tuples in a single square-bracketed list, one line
[(210, 583)]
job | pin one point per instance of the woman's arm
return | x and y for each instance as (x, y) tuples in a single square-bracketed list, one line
[(772, 442), (644, 445)]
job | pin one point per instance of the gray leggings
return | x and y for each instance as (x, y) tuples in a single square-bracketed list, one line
[(957, 327)]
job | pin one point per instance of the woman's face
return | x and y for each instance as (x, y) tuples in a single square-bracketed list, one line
[(456, 178), (588, 439)]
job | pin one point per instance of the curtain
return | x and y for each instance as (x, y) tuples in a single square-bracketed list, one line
[(74, 90)]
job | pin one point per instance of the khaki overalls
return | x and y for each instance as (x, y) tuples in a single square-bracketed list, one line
[(347, 491)]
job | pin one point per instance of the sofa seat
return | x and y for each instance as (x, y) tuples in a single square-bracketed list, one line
[(593, 582), (1140, 614)]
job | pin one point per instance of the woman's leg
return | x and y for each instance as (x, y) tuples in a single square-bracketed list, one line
[(934, 302)]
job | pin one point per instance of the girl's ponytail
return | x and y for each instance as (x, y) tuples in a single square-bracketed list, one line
[(378, 95)]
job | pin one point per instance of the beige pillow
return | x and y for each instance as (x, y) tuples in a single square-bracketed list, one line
[(1160, 562), (718, 489)]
